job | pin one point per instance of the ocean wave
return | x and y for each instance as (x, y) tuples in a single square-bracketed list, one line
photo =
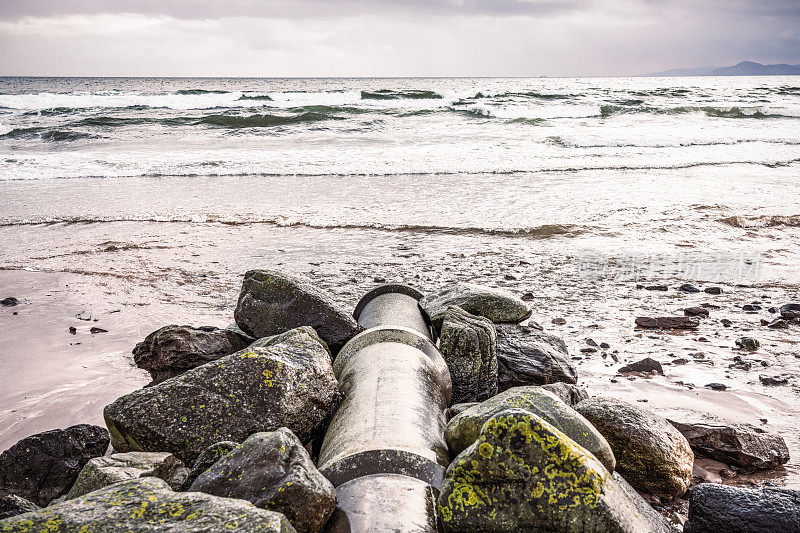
[(536, 95), (199, 91), (264, 97), (716, 112), (531, 232), (264, 121), (65, 136), (762, 221), (388, 94)]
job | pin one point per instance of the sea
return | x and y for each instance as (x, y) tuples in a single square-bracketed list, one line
[(130, 203)]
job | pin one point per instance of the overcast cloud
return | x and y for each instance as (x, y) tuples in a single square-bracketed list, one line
[(391, 37)]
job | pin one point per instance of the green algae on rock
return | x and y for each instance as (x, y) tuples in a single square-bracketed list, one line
[(523, 474), (272, 302), (497, 305), (281, 381), (107, 470), (273, 471), (148, 504), (469, 346), (651, 454), (207, 458), (465, 428)]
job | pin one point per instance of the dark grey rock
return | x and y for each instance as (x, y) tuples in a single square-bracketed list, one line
[(527, 356), (172, 350), (777, 379), (208, 457), (12, 505), (646, 365), (569, 393), (271, 303), (103, 471), (281, 381), (744, 445), (713, 290), (748, 343), (44, 466), (497, 305), (9, 302), (716, 386), (523, 474), (668, 322), (778, 323), (790, 311), (696, 311), (651, 454), (273, 471), (715, 508), (464, 429), (688, 287), (145, 505), (469, 346)]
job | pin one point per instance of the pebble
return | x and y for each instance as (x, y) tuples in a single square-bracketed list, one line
[(716, 386), (688, 287), (9, 302), (713, 290)]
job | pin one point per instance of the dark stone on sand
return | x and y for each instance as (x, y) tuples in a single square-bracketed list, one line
[(271, 303), (778, 323), (527, 356), (743, 445), (688, 287), (281, 381), (469, 346), (9, 302), (646, 365), (569, 393), (790, 311), (172, 350), (663, 288), (748, 343), (96, 330), (44, 466), (12, 505), (145, 505), (780, 379), (497, 305), (668, 322), (726, 323), (716, 386), (273, 471), (559, 321), (207, 458), (696, 311), (716, 508), (651, 454), (713, 290)]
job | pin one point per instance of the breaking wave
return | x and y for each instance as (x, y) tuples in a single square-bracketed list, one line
[(717, 112), (264, 121), (763, 221), (388, 94)]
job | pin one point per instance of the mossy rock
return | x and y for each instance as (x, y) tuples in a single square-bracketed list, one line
[(497, 305), (281, 381), (148, 504), (107, 470), (651, 454), (523, 474), (469, 346), (464, 428)]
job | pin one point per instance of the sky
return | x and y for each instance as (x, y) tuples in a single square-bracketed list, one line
[(391, 37)]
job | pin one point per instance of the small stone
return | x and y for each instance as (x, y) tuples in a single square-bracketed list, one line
[(378, 279), (95, 330), (605, 345), (73, 330), (726, 323), (657, 288), (696, 311), (559, 321), (688, 287), (781, 379), (790, 311), (778, 323), (716, 386), (748, 343), (668, 322), (9, 302), (591, 342), (712, 290), (751, 308), (527, 297), (646, 365)]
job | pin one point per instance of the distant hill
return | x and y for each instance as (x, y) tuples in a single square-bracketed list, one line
[(745, 68)]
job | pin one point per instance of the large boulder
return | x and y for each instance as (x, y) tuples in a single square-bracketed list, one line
[(495, 304), (273, 471), (281, 381), (469, 346), (103, 471), (148, 504), (207, 458), (742, 445), (44, 466), (12, 505), (271, 303), (172, 350), (715, 508), (790, 311), (523, 474), (528, 356), (464, 428), (651, 454)]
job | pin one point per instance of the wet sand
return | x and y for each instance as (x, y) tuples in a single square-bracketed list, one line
[(191, 273)]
